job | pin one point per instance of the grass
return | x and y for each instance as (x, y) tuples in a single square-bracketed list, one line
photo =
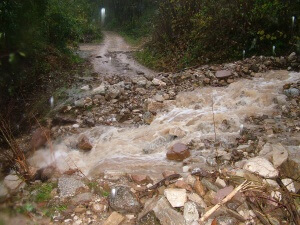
[(26, 208), (44, 192), (50, 211), (41, 193), (148, 59)]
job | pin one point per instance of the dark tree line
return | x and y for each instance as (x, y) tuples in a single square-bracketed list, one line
[(221, 29)]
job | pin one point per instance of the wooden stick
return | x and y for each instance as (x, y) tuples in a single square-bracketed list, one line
[(217, 206)]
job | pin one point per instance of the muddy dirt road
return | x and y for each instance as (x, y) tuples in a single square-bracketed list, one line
[(113, 56)]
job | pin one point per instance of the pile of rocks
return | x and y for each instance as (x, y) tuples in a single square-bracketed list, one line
[(135, 100)]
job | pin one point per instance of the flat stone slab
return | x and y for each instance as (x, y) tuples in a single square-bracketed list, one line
[(223, 74), (262, 167), (176, 197)]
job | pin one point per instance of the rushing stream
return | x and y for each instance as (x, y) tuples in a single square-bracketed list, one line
[(188, 118)]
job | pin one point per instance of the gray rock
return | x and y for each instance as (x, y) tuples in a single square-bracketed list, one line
[(149, 219), (13, 183), (158, 82), (226, 220), (291, 168), (220, 183), (166, 214), (276, 153), (292, 92), (289, 184), (142, 83), (223, 74), (101, 90), (279, 156), (68, 185), (292, 57), (3, 192), (114, 219), (281, 100), (209, 185), (148, 117), (158, 98), (79, 103), (85, 88), (190, 212), (113, 92), (262, 167), (149, 76), (121, 199), (197, 199), (176, 197), (83, 198), (163, 212)]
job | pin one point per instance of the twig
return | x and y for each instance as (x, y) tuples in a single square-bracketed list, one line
[(159, 184), (289, 202), (241, 187), (14, 155), (261, 217)]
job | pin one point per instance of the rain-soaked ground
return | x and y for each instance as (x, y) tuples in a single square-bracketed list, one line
[(112, 57)]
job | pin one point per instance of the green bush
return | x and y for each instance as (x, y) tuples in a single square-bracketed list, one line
[(35, 35)]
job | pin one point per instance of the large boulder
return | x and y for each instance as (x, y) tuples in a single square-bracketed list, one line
[(121, 199), (178, 152)]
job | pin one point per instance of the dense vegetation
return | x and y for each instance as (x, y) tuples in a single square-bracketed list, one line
[(189, 32), (36, 38)]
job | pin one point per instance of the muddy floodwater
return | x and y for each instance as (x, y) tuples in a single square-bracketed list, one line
[(192, 116)]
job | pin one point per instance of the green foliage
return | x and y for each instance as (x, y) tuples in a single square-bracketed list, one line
[(36, 36), (150, 59), (188, 32), (44, 192), (50, 211), (26, 208)]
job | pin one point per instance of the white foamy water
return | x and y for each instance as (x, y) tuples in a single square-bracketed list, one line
[(143, 149)]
